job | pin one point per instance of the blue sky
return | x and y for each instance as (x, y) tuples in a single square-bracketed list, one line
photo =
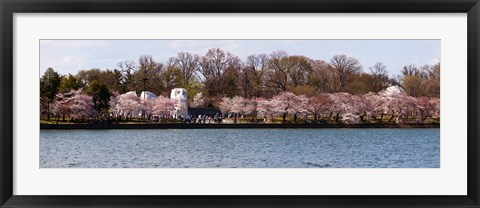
[(70, 56)]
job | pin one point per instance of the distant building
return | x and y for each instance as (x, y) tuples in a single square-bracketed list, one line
[(392, 90), (147, 95), (131, 93), (179, 96)]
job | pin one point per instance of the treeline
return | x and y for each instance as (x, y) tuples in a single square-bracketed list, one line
[(337, 107), (219, 74), (327, 107)]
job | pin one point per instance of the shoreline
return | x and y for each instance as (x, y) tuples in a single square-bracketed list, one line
[(230, 126)]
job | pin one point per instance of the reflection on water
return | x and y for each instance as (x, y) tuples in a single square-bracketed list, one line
[(241, 148)]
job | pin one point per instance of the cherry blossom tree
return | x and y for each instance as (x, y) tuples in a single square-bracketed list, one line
[(129, 104), (350, 118), (319, 104), (237, 104), (341, 104), (147, 107), (359, 107), (225, 105), (249, 107), (289, 103), (267, 108), (409, 105), (198, 101), (62, 104), (427, 107), (399, 105), (75, 103), (114, 108), (163, 106), (302, 104), (375, 105), (243, 106), (82, 105), (436, 109), (352, 107)]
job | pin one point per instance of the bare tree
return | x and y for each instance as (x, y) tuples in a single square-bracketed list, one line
[(344, 67), (126, 66), (379, 77), (188, 64), (149, 75), (252, 77), (213, 66), (127, 69), (322, 77), (412, 70), (299, 70)]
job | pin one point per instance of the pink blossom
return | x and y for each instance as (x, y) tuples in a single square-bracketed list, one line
[(198, 101), (225, 106), (163, 106), (290, 103), (75, 103), (266, 107), (129, 104), (320, 104), (81, 105)]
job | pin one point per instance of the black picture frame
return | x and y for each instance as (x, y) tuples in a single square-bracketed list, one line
[(9, 7)]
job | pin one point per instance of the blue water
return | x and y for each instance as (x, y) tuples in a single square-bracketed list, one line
[(241, 148)]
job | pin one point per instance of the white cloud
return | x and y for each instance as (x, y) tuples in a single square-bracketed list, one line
[(72, 60)]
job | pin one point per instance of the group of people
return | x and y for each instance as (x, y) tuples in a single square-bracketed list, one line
[(202, 119)]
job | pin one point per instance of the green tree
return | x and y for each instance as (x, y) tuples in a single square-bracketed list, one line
[(68, 83), (100, 95), (49, 84), (84, 77), (112, 79), (193, 88)]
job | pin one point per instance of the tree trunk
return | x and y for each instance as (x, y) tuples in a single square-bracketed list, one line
[(425, 118), (391, 118), (284, 117), (48, 111)]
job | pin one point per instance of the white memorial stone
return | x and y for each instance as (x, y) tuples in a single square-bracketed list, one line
[(180, 98)]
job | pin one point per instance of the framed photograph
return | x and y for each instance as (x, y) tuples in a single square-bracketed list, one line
[(239, 104)]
